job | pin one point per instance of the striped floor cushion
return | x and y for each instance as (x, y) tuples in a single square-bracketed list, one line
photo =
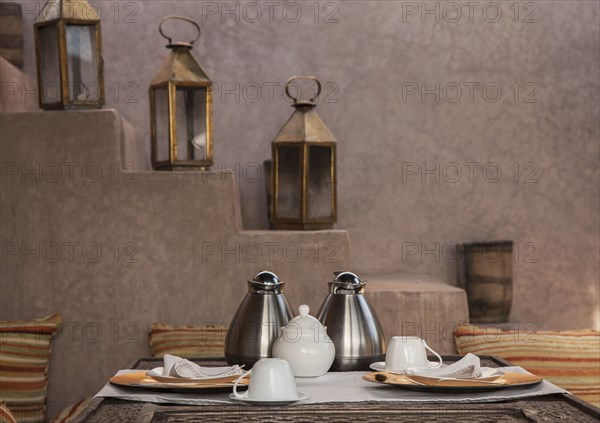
[(69, 414), (5, 415), (569, 359), (203, 341), (24, 358)]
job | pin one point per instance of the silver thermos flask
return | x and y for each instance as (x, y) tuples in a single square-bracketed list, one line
[(352, 324), (258, 321)]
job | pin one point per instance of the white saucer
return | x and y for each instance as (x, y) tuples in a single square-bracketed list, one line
[(301, 396), (380, 367)]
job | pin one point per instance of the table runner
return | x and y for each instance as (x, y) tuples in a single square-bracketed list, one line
[(340, 387)]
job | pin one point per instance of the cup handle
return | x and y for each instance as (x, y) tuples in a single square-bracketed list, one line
[(434, 353), (235, 392)]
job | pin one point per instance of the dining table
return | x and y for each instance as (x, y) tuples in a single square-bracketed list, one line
[(561, 407)]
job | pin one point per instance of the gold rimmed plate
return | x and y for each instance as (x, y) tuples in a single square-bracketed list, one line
[(441, 385), (140, 380)]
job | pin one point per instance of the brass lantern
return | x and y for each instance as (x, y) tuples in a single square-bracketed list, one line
[(181, 109), (68, 48), (303, 174)]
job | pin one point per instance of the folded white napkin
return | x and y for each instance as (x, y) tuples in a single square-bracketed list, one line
[(467, 367), (180, 367)]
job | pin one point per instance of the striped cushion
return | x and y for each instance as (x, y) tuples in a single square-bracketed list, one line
[(203, 341), (5, 415), (570, 359), (69, 414), (24, 358)]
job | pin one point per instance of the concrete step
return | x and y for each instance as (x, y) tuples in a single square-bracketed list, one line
[(418, 305)]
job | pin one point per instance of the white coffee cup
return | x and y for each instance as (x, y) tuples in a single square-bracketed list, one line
[(272, 380), (408, 351)]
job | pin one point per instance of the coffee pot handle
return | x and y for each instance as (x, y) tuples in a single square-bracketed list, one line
[(434, 353), (235, 392)]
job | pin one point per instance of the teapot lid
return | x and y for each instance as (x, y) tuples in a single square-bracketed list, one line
[(347, 283), (304, 322), (265, 282)]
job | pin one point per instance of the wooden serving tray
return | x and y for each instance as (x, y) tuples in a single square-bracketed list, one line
[(421, 383), (143, 381)]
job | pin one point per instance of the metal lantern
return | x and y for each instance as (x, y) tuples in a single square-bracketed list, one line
[(68, 48), (181, 109), (303, 174)]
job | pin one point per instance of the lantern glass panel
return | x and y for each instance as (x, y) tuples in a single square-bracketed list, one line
[(161, 110), (190, 106), (319, 182), (49, 64), (289, 182), (82, 63)]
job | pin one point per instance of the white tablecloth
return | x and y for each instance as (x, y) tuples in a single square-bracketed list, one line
[(339, 387)]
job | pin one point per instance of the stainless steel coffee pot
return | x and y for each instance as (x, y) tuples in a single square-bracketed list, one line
[(352, 324), (258, 321)]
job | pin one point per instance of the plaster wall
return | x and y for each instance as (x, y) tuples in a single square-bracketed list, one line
[(419, 172)]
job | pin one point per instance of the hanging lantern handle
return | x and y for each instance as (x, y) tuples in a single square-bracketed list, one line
[(293, 78), (181, 18)]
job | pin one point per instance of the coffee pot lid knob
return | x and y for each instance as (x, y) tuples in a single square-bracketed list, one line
[(346, 282), (347, 277), (265, 282), (267, 277)]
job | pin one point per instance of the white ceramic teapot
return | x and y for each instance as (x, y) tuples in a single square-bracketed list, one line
[(304, 344)]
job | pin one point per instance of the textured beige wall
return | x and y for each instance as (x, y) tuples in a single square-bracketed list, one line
[(374, 51)]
